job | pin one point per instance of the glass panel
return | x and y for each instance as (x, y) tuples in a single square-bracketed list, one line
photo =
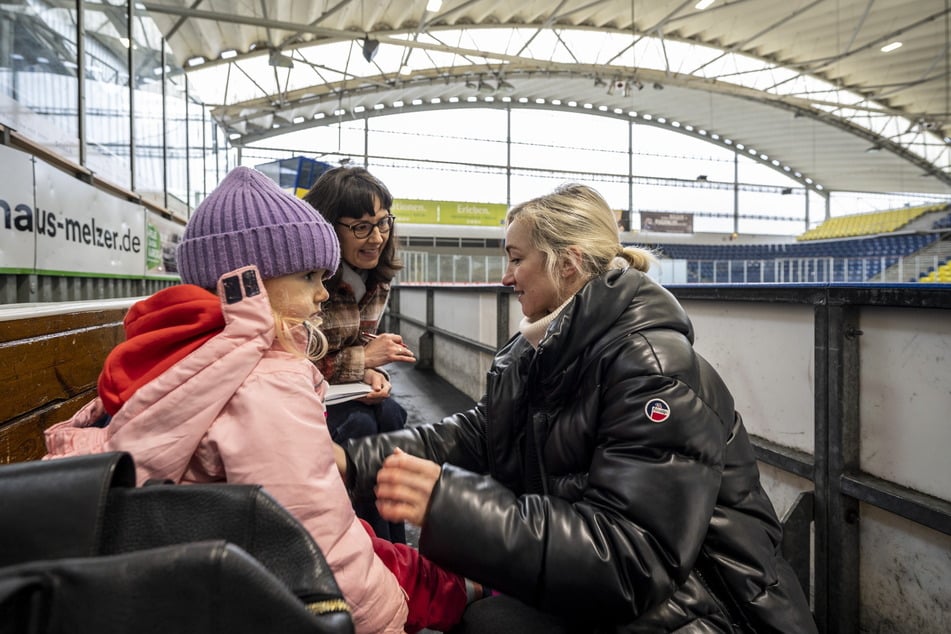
[(176, 137), (148, 132), (39, 91), (107, 90), (197, 156)]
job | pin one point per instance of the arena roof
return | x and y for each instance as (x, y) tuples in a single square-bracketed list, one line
[(803, 85)]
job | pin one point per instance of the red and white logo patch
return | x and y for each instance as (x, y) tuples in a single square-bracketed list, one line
[(657, 410)]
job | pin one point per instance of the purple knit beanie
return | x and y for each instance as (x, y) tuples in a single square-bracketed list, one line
[(247, 220)]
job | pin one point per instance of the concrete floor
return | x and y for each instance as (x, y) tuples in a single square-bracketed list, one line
[(426, 397)]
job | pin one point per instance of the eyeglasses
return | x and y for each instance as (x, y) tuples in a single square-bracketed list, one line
[(364, 229)]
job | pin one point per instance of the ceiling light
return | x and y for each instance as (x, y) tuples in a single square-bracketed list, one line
[(888, 48), (195, 61), (370, 48), (703, 4), (298, 119), (229, 54)]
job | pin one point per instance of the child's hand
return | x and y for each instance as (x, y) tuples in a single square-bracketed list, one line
[(340, 457), (404, 485)]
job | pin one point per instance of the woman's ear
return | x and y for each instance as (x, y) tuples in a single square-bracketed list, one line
[(571, 264)]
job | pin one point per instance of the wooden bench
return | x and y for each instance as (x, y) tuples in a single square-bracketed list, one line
[(50, 359)]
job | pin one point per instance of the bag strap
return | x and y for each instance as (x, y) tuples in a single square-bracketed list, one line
[(53, 509)]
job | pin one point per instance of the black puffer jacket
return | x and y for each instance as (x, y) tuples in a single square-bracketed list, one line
[(606, 476)]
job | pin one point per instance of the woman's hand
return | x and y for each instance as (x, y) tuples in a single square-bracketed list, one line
[(404, 485), (386, 348), (380, 384)]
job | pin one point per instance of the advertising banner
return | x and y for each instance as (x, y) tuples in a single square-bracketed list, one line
[(161, 239), (17, 240), (666, 221), (83, 230), (441, 212)]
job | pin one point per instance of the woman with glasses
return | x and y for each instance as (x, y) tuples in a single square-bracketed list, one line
[(358, 205)]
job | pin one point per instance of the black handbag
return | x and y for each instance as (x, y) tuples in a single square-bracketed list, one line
[(84, 513)]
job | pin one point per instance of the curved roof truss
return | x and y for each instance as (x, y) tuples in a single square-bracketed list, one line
[(809, 104)]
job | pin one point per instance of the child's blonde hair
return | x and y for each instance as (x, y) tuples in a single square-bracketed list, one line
[(301, 337)]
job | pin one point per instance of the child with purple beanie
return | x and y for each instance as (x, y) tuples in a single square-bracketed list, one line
[(216, 383)]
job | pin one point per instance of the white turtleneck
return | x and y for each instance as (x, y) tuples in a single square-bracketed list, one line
[(534, 331)]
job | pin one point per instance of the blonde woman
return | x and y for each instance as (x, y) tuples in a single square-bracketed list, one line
[(604, 482)]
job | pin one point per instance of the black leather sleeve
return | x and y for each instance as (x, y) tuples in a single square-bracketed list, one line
[(623, 547), (458, 439)]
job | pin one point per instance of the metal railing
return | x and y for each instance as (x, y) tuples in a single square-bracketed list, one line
[(423, 267)]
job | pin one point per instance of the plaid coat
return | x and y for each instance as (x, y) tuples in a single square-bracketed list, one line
[(343, 321)]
